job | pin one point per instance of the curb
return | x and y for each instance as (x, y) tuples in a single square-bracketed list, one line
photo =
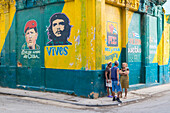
[(140, 98), (88, 105)]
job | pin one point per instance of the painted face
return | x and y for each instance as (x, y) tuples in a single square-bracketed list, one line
[(58, 27), (31, 37)]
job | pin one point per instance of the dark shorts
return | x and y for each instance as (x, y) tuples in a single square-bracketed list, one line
[(116, 87)]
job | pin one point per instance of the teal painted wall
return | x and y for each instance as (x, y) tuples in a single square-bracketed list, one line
[(8, 59), (134, 49)]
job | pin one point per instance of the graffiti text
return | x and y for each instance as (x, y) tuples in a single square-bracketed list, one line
[(111, 49), (115, 55), (134, 49), (55, 51), (30, 54)]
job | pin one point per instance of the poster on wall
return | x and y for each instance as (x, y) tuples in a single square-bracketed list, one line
[(112, 47)]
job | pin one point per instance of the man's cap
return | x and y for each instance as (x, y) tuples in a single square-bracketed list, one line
[(30, 24), (116, 62)]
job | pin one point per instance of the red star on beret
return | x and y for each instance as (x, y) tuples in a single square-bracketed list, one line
[(30, 24)]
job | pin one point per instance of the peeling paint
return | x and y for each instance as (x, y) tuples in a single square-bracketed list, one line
[(94, 95), (71, 64), (94, 34), (19, 64), (86, 65), (78, 39)]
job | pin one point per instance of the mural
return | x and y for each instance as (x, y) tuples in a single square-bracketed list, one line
[(30, 50), (112, 45), (60, 46), (112, 34), (134, 47), (59, 30), (58, 34), (31, 35)]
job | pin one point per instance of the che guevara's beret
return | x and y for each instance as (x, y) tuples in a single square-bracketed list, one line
[(30, 24)]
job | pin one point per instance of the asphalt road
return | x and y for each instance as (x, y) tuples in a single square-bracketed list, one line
[(159, 103)]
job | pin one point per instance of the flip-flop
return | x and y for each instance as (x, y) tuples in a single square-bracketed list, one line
[(110, 96)]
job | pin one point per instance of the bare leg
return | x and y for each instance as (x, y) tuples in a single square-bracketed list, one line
[(113, 94), (126, 93), (108, 91), (121, 93), (111, 89), (118, 94)]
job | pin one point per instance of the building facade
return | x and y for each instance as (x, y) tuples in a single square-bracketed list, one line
[(65, 45)]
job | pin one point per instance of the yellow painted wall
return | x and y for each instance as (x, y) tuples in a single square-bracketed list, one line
[(81, 54), (120, 18), (163, 47), (126, 20), (7, 12), (166, 43), (113, 28)]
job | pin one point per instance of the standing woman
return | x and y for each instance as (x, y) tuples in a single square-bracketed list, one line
[(108, 78), (124, 78)]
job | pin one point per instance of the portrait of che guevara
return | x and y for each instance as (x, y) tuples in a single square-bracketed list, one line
[(59, 30)]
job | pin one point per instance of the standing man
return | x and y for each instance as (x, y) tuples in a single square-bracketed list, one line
[(108, 78), (31, 35), (115, 82)]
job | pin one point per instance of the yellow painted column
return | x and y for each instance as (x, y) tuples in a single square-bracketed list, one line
[(83, 38), (78, 22), (85, 34), (124, 41), (165, 43), (90, 61), (100, 10), (124, 27)]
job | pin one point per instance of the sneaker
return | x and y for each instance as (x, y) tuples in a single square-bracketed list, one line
[(119, 100), (114, 98)]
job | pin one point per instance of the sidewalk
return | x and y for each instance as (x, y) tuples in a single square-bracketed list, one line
[(133, 96)]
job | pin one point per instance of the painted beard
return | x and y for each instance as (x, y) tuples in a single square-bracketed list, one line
[(61, 36), (58, 34)]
